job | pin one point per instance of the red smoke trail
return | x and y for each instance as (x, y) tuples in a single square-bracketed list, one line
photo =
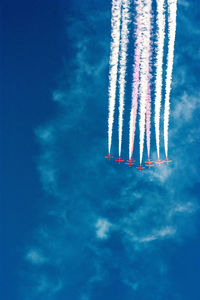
[(144, 67)]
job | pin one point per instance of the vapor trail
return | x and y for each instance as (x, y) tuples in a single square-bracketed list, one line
[(159, 64), (148, 102), (114, 57), (144, 67), (122, 64), (148, 117), (172, 7), (135, 88)]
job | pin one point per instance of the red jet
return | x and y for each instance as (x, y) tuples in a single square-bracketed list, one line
[(159, 162), (167, 160), (140, 167), (119, 160), (108, 157), (149, 163), (130, 162)]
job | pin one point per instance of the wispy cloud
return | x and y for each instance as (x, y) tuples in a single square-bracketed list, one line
[(35, 257), (102, 228), (163, 233), (74, 245)]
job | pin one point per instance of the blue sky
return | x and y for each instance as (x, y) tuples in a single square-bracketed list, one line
[(73, 226)]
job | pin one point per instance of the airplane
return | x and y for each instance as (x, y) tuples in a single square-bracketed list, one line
[(159, 162), (130, 162), (108, 157), (167, 160), (140, 167), (119, 160), (149, 163)]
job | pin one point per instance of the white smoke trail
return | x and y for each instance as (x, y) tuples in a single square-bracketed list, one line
[(136, 68), (159, 63), (144, 66), (172, 7), (114, 57), (122, 64), (148, 101)]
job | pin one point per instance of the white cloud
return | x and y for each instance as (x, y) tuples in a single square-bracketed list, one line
[(160, 173), (35, 257), (160, 234), (102, 228), (185, 107), (45, 134), (133, 285), (183, 208), (59, 96), (184, 3), (46, 286)]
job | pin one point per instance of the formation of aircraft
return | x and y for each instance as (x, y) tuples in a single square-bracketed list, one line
[(148, 162), (130, 162)]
